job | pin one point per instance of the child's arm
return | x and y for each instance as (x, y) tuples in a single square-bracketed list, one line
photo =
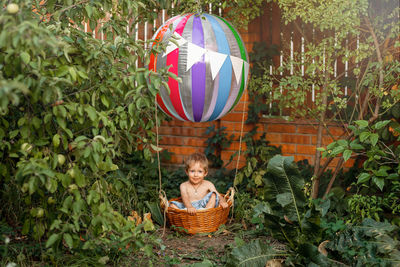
[(222, 200), (186, 199)]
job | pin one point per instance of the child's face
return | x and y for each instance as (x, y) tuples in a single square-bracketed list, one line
[(196, 173)]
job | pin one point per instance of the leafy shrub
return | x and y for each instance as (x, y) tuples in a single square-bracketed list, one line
[(361, 207), (217, 141), (371, 243), (72, 107), (257, 154)]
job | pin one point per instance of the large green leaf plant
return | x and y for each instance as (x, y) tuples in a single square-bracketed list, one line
[(72, 106), (312, 235), (288, 215)]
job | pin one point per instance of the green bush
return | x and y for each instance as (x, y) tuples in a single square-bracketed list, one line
[(72, 108)]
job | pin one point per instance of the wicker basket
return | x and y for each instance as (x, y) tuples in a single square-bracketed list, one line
[(204, 221)]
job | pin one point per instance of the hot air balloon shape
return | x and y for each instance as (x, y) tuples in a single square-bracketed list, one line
[(208, 54)]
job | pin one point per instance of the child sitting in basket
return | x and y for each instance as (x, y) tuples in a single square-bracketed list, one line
[(196, 192)]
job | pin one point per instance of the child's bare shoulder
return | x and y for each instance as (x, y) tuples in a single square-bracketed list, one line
[(184, 184), (209, 184)]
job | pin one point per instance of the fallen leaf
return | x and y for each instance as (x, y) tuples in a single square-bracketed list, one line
[(321, 248)]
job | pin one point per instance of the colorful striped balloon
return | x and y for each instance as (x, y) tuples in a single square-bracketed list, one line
[(209, 56)]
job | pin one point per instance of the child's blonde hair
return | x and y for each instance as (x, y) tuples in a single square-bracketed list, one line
[(197, 157)]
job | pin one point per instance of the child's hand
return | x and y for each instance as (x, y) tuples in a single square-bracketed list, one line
[(191, 211), (224, 205)]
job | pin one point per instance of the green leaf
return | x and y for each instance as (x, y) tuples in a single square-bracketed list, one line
[(36, 122), (51, 184), (253, 254), (62, 71), (68, 240), (354, 145), (337, 150), (155, 211), (66, 54), (257, 179), (323, 206), (89, 10), (65, 179), (396, 111), (381, 172), (26, 227), (56, 140), (284, 199), (381, 124), (52, 239), (393, 176), (363, 177), (380, 182), (61, 111), (72, 72), (103, 260), (104, 100), (87, 245), (80, 179), (155, 148), (26, 58), (82, 74), (347, 154), (148, 225), (32, 185), (364, 136), (362, 123), (47, 117), (78, 205), (21, 121), (285, 178), (61, 122), (204, 263), (342, 142), (91, 112), (14, 134), (374, 138), (24, 131), (331, 145)]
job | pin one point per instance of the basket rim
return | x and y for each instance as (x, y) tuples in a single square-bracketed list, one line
[(197, 211)]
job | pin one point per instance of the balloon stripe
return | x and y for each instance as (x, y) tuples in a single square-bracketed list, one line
[(198, 72), (212, 84), (162, 106), (186, 76), (225, 73), (162, 63), (172, 59), (153, 59), (242, 54)]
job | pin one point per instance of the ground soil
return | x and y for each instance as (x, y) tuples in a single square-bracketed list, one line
[(184, 250), (188, 249)]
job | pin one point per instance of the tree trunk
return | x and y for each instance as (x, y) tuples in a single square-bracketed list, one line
[(321, 126)]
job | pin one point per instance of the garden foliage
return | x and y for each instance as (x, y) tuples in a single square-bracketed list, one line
[(72, 107)]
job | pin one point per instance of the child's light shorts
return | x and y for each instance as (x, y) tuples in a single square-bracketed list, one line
[(199, 204)]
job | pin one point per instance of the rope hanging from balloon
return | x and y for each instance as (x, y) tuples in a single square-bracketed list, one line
[(162, 195)]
